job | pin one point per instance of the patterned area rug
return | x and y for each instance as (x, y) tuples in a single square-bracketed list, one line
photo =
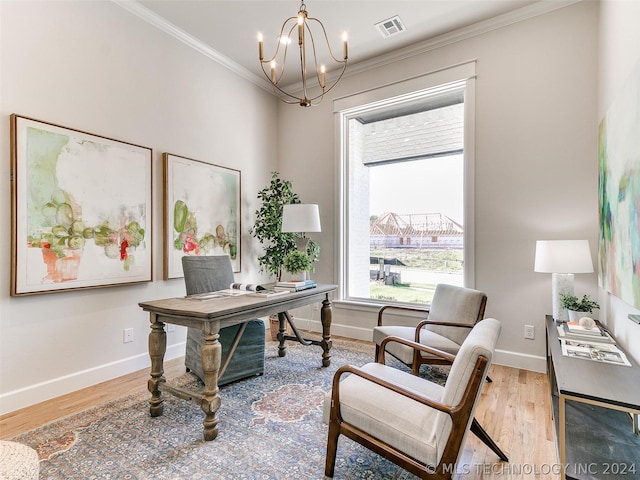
[(270, 428)]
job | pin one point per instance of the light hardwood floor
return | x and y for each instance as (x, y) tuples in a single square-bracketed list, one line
[(514, 409)]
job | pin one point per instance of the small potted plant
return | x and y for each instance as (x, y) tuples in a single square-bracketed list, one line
[(297, 263), (576, 307)]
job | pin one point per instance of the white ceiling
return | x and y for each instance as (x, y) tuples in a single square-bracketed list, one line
[(230, 27)]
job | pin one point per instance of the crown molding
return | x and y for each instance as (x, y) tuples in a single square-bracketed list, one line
[(480, 28), (461, 34), (132, 6)]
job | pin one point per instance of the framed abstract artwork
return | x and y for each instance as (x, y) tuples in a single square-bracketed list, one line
[(619, 194), (81, 209), (201, 212)]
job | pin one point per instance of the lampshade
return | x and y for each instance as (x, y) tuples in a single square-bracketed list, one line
[(300, 217), (563, 256)]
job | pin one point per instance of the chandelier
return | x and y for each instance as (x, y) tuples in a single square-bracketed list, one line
[(274, 67)]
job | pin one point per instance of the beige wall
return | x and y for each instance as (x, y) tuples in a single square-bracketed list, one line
[(535, 170), (95, 67), (619, 54)]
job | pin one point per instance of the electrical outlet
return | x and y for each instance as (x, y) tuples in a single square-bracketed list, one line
[(529, 332), (171, 327), (127, 335)]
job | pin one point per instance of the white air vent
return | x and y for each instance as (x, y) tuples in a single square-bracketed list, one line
[(391, 26)]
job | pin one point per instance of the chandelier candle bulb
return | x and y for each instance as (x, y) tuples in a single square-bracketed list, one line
[(261, 46), (273, 71), (300, 28), (322, 75), (344, 45)]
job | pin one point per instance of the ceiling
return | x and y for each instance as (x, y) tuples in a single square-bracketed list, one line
[(230, 27)]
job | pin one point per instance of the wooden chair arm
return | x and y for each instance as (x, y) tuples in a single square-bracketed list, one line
[(416, 346), (406, 392), (398, 307), (435, 322)]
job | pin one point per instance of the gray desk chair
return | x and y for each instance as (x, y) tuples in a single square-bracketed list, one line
[(417, 424), (207, 274)]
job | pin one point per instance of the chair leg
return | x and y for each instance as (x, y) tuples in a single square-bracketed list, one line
[(332, 447), (484, 437)]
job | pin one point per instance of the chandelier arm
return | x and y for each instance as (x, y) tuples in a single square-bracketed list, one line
[(315, 60), (276, 87), (303, 60), (324, 92), (286, 49), (326, 38)]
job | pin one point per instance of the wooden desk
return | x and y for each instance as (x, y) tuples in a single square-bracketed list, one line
[(212, 315), (604, 442)]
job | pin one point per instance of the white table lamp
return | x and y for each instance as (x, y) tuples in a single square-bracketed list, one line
[(562, 258), (300, 218)]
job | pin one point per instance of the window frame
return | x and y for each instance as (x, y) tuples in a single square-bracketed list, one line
[(456, 78)]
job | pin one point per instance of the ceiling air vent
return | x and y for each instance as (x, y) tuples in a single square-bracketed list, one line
[(391, 26)]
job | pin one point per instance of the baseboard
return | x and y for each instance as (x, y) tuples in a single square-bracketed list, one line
[(524, 361), (337, 329), (55, 387), (501, 357)]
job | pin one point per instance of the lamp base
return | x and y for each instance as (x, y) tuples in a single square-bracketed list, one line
[(561, 284), (302, 243)]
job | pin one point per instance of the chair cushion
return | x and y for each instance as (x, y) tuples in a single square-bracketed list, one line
[(454, 304), (389, 416), (404, 353)]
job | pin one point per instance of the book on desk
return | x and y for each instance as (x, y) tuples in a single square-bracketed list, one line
[(235, 290), (573, 331), (595, 344), (294, 286)]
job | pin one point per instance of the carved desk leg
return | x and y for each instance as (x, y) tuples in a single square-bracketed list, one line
[(211, 355), (325, 319), (282, 326), (157, 349)]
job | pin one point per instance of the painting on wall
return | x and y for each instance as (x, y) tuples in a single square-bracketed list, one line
[(201, 212), (81, 209), (619, 194)]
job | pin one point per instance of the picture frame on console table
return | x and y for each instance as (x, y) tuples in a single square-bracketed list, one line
[(201, 212), (81, 209)]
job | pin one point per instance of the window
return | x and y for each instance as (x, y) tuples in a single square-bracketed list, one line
[(405, 194)]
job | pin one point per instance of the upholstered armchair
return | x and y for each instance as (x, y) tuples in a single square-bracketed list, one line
[(245, 341), (415, 423), (453, 313)]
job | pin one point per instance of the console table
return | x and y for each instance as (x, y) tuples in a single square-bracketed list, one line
[(596, 412), (212, 315)]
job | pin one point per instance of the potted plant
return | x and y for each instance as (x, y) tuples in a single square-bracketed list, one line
[(297, 263), (267, 228), (576, 307)]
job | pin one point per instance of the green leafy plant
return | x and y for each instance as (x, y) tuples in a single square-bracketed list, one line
[(297, 261), (267, 228), (313, 252), (571, 302)]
